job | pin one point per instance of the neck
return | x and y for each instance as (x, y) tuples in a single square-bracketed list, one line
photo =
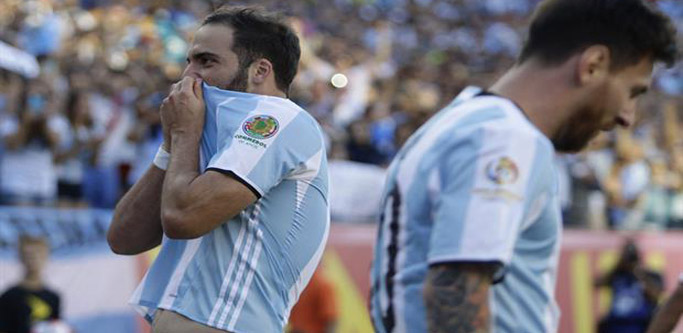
[(32, 281), (278, 93), (540, 92), (268, 91)]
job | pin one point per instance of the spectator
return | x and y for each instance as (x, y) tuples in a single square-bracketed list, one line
[(657, 196), (635, 293), (27, 169), (103, 179), (626, 183), (77, 139), (145, 134), (30, 302)]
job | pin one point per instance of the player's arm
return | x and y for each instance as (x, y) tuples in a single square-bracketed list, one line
[(136, 225), (456, 297), (194, 204), (668, 315)]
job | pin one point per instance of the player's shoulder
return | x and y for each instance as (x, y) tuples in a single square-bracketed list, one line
[(501, 121), (286, 122), (50, 293), (301, 121), (12, 293), (280, 111)]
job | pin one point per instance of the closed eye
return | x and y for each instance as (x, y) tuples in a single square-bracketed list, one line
[(638, 91), (203, 58), (205, 61)]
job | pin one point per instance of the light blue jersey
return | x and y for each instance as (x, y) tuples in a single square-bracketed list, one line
[(474, 184), (246, 275)]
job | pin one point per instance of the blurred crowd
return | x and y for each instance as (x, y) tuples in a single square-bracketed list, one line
[(372, 71)]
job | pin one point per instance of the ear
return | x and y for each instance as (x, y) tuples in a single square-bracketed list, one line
[(260, 70), (593, 65)]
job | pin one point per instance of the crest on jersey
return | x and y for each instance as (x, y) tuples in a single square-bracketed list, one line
[(261, 127), (502, 171)]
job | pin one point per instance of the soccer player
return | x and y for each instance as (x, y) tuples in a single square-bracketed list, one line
[(469, 233), (240, 205)]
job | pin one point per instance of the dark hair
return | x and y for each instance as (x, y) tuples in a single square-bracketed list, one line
[(631, 29), (258, 34)]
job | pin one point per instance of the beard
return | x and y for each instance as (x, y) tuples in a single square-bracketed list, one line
[(239, 81), (577, 132)]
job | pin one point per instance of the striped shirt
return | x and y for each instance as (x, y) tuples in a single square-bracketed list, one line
[(474, 184), (245, 275)]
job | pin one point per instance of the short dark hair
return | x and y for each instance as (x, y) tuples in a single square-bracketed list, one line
[(631, 29), (258, 34)]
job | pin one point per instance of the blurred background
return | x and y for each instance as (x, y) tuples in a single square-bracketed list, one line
[(81, 82)]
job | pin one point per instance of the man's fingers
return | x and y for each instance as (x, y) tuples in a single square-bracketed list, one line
[(165, 102), (174, 87), (186, 84), (198, 89)]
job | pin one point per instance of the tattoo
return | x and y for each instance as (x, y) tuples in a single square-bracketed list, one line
[(456, 297)]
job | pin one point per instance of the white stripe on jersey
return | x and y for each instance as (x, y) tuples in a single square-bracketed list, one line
[(535, 210), (252, 224), (552, 312), (247, 285), (134, 300), (137, 294), (399, 290), (383, 299), (301, 188), (434, 186), (524, 157), (310, 170), (171, 290), (226, 280)]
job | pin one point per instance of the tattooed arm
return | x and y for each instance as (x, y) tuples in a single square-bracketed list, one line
[(456, 296)]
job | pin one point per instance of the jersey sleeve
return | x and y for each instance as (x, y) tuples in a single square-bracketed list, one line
[(484, 183), (268, 148)]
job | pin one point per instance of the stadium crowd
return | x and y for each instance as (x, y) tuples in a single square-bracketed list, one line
[(83, 130)]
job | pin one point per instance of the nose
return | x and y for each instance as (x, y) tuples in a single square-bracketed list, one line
[(191, 71), (627, 116)]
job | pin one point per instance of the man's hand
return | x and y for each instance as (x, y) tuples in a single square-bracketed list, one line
[(193, 204), (182, 112)]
